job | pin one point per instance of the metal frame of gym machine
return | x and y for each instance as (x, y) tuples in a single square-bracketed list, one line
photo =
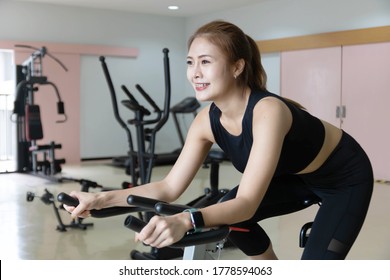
[(29, 126)]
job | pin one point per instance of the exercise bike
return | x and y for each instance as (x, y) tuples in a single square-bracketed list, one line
[(194, 246), (199, 245)]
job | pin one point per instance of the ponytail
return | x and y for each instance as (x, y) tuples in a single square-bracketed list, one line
[(257, 77)]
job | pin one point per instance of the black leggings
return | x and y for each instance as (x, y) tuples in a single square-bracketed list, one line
[(344, 183)]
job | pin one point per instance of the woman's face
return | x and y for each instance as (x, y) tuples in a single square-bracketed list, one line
[(208, 70)]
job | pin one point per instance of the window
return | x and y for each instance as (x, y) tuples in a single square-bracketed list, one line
[(7, 125)]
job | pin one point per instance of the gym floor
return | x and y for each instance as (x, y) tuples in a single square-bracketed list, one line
[(28, 229)]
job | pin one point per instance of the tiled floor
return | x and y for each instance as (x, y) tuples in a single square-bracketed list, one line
[(28, 229)]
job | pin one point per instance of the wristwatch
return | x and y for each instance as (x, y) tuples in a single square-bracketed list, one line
[(196, 220)]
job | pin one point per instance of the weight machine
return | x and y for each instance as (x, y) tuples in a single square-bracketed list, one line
[(28, 118)]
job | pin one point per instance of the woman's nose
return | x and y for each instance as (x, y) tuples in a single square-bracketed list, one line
[(197, 73)]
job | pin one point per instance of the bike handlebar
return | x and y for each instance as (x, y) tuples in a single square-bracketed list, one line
[(146, 204), (103, 213), (160, 207)]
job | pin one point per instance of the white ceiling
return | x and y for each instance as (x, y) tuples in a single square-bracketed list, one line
[(158, 7)]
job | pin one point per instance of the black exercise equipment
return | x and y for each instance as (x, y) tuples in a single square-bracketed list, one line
[(48, 199), (192, 240), (194, 246), (191, 246), (29, 126), (170, 209), (305, 229), (211, 196), (304, 234), (103, 213), (188, 105), (141, 161)]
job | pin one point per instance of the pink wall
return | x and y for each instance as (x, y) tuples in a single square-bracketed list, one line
[(313, 78), (366, 88), (68, 84), (356, 77)]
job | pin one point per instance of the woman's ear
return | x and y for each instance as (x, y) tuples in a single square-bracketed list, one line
[(238, 67)]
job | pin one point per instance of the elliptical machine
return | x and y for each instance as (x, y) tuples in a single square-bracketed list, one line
[(142, 160)]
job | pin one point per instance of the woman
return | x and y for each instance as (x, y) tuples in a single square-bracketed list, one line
[(278, 146)]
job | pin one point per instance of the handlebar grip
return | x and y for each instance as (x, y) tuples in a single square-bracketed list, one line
[(219, 234), (148, 98), (60, 108), (142, 201), (103, 213), (134, 223), (129, 95), (169, 209), (67, 199)]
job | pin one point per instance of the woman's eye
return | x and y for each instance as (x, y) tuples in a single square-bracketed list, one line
[(189, 62), (205, 61)]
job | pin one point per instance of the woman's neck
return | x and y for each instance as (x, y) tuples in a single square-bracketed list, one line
[(234, 105), (232, 112)]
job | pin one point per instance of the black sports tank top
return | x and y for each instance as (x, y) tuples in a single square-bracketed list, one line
[(301, 144)]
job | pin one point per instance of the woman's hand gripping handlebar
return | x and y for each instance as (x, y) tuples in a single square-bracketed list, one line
[(103, 213), (163, 208)]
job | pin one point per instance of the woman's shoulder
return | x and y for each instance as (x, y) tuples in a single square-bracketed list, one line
[(273, 109), (264, 100), (201, 125), (260, 94), (202, 117)]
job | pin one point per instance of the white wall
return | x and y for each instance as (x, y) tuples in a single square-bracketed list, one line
[(287, 18), (149, 33), (101, 136)]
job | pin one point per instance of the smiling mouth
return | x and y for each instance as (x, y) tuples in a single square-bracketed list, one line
[(200, 86)]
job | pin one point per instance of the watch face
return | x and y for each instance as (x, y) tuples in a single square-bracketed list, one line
[(198, 219)]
